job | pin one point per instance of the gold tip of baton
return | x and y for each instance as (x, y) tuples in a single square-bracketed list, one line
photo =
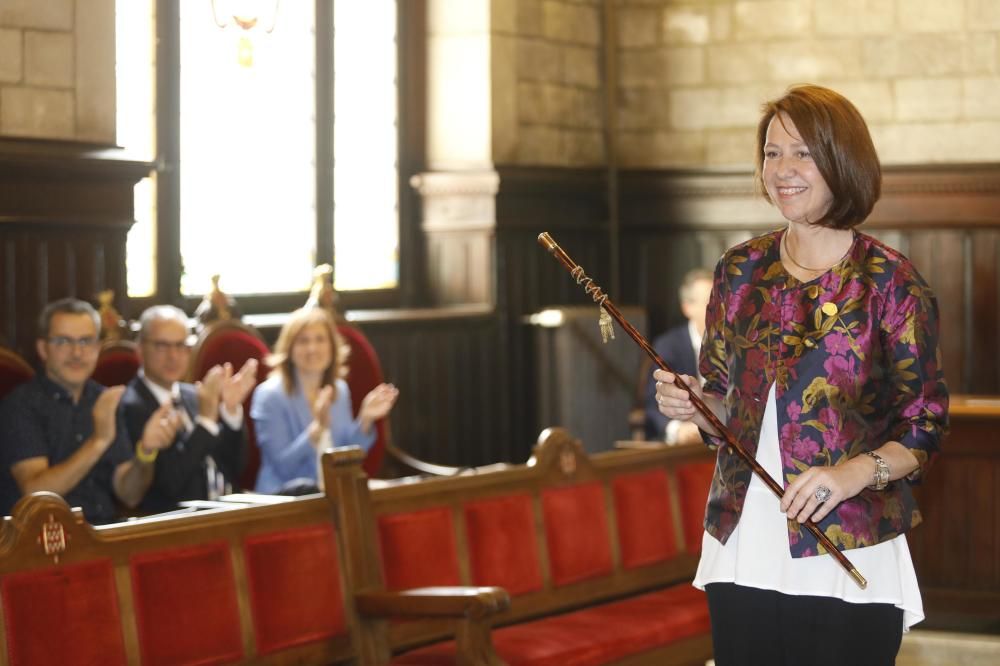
[(546, 241), (858, 578)]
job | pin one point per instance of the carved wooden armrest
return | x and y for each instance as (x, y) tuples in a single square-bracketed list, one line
[(457, 602), (472, 607)]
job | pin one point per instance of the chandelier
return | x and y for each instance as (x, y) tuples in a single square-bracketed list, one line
[(249, 16)]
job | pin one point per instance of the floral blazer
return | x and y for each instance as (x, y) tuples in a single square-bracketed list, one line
[(854, 355)]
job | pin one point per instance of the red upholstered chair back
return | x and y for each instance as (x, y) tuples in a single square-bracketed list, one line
[(117, 363), (364, 372), (234, 342), (14, 370)]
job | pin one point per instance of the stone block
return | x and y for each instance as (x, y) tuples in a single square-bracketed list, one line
[(929, 55), (981, 98), (874, 99), (571, 23), (731, 147), (931, 16), (11, 63), (533, 103), (811, 60), (737, 63), (643, 109), (937, 142), (37, 113), (48, 59), (982, 15), (638, 26), (584, 148), (854, 17), (503, 17), (755, 19), (538, 60), (652, 150), (582, 66), (928, 99), (503, 100), (43, 15), (95, 72), (529, 17), (687, 25), (584, 108), (683, 65), (540, 145)]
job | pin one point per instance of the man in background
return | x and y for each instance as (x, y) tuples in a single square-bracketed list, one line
[(60, 431), (207, 453), (680, 347)]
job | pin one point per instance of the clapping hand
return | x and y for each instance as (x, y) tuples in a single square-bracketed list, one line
[(237, 386), (377, 404)]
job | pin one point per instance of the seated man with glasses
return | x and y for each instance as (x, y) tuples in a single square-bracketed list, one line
[(207, 453), (60, 431)]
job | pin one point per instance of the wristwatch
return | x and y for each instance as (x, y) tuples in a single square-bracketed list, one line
[(880, 479)]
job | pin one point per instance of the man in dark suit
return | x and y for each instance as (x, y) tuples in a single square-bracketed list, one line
[(205, 459), (679, 347)]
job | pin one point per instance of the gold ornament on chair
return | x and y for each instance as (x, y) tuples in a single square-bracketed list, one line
[(322, 294), (217, 305), (113, 327)]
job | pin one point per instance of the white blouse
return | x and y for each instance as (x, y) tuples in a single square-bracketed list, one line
[(760, 557)]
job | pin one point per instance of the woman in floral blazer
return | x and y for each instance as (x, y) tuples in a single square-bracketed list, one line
[(821, 356)]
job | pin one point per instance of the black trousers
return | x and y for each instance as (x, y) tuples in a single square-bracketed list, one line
[(754, 627)]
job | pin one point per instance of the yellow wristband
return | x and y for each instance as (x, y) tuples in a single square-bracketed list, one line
[(144, 457)]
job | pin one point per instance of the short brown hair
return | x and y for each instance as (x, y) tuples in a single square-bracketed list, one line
[(281, 359), (841, 147), (70, 306)]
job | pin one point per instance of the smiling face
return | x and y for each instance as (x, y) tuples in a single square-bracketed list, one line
[(312, 350), (790, 176), (69, 351)]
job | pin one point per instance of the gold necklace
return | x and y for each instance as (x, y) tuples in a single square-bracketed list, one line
[(788, 254)]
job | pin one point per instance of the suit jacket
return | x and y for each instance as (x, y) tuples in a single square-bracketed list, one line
[(675, 348), (180, 472)]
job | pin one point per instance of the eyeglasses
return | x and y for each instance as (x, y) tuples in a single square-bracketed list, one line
[(163, 346), (65, 342)]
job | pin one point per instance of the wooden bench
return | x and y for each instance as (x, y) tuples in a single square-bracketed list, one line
[(314, 579), (250, 584), (597, 554), (257, 584)]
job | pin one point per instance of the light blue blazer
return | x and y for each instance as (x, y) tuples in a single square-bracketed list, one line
[(280, 423)]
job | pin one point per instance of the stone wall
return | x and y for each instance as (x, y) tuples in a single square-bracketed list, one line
[(57, 69), (925, 74), (548, 101)]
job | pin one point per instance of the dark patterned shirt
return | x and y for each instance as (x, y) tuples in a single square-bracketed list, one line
[(854, 356), (39, 419)]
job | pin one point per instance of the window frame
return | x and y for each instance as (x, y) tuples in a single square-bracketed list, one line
[(410, 31)]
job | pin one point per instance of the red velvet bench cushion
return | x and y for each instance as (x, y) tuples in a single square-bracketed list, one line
[(294, 581), (185, 605), (503, 549), (576, 530), (591, 636), (645, 520), (418, 549), (63, 615)]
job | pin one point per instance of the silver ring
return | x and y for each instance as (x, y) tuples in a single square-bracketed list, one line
[(822, 494)]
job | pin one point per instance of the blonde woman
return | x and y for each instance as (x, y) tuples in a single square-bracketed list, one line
[(305, 406)]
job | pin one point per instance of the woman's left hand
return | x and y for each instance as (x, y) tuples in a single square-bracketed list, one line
[(377, 404), (844, 481)]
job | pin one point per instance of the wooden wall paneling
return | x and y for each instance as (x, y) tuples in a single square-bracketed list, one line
[(65, 210), (983, 317)]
